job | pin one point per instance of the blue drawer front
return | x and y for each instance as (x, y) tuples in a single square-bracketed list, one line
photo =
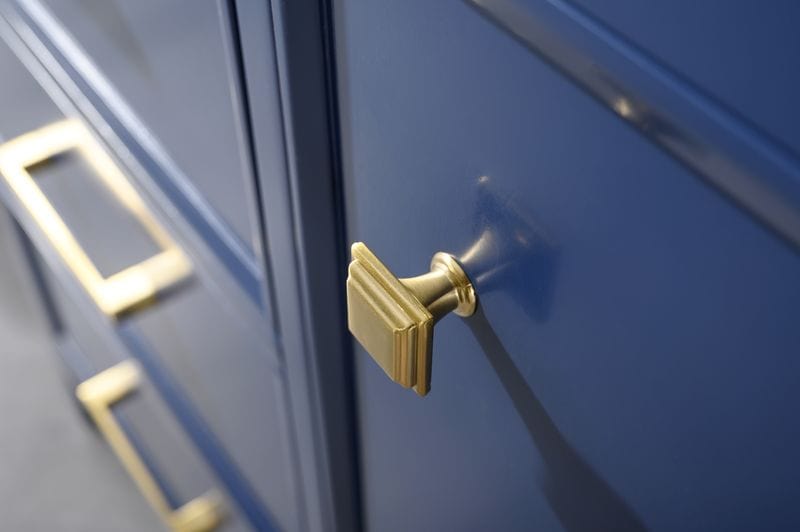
[(633, 368), (207, 347)]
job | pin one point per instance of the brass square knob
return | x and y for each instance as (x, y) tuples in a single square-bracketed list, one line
[(393, 318)]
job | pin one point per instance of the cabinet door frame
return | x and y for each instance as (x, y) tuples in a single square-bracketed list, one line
[(302, 223)]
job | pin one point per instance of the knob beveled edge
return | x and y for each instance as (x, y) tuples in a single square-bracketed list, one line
[(393, 318)]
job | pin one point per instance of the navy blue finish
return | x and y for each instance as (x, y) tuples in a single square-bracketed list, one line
[(298, 170), (741, 52), (196, 428), (633, 364), (81, 368), (75, 358), (703, 134), (91, 93), (237, 420), (134, 57), (146, 454)]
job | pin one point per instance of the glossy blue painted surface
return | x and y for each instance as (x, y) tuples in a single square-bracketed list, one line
[(633, 362), (741, 52), (193, 423), (101, 100), (164, 77), (711, 139), (209, 351)]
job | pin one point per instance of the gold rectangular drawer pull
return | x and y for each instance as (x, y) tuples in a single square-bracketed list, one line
[(133, 287), (97, 394)]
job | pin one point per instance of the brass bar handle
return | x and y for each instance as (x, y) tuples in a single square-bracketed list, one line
[(135, 286), (98, 394), (393, 318)]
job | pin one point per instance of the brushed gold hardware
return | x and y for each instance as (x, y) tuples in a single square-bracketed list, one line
[(135, 286), (393, 318), (97, 394)]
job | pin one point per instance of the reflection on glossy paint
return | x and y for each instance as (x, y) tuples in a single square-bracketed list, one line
[(510, 253), (647, 119), (623, 108), (729, 152)]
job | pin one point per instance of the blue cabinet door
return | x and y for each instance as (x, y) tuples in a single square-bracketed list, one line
[(633, 361)]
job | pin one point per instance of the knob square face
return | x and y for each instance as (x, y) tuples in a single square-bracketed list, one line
[(389, 321)]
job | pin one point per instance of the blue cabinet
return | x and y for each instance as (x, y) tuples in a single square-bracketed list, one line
[(633, 361), (164, 63), (122, 186), (624, 197)]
